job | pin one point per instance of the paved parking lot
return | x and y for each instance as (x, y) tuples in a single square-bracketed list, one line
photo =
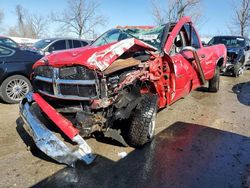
[(203, 139)]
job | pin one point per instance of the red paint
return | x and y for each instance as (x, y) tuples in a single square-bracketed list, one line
[(87, 56), (65, 125), (171, 76)]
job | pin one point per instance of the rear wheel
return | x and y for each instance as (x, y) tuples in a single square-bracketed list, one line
[(14, 88), (214, 83), (142, 121), (238, 69)]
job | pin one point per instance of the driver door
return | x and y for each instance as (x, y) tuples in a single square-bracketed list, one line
[(183, 66)]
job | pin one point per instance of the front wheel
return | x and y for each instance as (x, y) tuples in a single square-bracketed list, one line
[(238, 69), (14, 88), (214, 83), (142, 121)]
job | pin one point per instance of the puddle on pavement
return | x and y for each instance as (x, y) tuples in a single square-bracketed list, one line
[(242, 91), (183, 155)]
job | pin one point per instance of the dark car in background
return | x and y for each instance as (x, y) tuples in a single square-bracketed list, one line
[(238, 53), (15, 69), (46, 46)]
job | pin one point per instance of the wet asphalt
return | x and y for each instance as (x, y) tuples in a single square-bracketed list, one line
[(183, 155)]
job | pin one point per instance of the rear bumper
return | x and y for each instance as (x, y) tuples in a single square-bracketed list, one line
[(47, 142)]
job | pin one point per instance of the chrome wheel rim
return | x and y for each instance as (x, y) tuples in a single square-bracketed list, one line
[(241, 71), (16, 89)]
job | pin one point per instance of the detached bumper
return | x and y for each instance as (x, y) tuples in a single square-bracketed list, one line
[(47, 142)]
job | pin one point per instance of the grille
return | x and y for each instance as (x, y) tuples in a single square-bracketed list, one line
[(76, 82), (76, 73), (79, 90), (43, 86)]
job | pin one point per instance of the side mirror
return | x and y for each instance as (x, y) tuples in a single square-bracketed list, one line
[(203, 43)]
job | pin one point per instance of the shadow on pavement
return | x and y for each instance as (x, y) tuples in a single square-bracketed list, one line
[(183, 155), (202, 89), (30, 143), (242, 91)]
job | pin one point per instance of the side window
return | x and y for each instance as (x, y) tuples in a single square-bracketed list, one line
[(248, 42), (8, 42), (70, 43), (211, 42), (58, 45), (84, 43), (77, 44), (195, 40), (180, 41), (5, 52)]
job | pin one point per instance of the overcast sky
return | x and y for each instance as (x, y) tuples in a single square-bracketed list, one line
[(216, 13)]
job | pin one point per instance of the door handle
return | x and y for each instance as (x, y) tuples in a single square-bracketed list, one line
[(203, 55)]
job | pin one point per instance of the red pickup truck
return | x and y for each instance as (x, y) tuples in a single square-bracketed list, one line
[(125, 75)]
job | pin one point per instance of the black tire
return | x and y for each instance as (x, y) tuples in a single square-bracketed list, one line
[(214, 83), (20, 87), (142, 122), (236, 70)]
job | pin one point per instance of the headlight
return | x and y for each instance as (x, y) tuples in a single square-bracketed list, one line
[(45, 71)]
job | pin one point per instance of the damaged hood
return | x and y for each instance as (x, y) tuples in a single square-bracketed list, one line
[(97, 58), (234, 49)]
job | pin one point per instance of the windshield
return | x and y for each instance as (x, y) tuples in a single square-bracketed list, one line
[(228, 41), (42, 44), (151, 36), (8, 42)]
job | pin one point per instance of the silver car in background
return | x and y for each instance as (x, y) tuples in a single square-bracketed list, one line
[(46, 46)]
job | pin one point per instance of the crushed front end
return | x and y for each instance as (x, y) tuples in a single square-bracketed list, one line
[(235, 62), (62, 96), (77, 100)]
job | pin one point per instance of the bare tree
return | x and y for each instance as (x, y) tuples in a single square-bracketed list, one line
[(80, 18), (241, 19), (20, 20), (173, 10), (37, 25), (28, 25)]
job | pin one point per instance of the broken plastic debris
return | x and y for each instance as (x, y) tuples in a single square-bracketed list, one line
[(122, 154)]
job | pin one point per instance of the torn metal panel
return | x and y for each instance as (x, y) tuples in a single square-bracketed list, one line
[(103, 59)]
